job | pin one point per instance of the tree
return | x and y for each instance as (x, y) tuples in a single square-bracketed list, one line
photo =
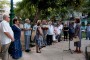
[(86, 7), (42, 8), (3, 3)]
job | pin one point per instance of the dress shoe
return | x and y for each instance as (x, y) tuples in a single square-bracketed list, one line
[(27, 50)]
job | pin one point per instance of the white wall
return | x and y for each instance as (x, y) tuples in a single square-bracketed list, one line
[(76, 14), (7, 10)]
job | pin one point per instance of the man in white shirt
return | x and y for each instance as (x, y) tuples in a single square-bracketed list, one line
[(27, 28), (50, 33), (44, 28), (6, 36), (60, 27)]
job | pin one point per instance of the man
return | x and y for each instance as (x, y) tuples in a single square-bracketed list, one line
[(50, 33), (44, 24), (6, 36), (60, 27), (88, 32), (27, 28)]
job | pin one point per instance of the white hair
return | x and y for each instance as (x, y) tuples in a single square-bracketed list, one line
[(4, 16)]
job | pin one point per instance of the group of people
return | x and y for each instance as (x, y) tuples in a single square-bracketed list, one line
[(46, 32), (49, 32), (10, 38)]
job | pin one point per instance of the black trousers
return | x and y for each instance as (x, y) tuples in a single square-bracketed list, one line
[(58, 37), (49, 39), (65, 35)]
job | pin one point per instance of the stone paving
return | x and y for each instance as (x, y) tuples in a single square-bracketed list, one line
[(56, 52)]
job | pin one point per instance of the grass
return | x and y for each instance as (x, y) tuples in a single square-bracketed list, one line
[(83, 35)]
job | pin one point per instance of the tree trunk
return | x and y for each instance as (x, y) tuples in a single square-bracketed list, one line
[(36, 15)]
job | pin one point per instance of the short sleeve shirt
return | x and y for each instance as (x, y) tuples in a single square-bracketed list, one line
[(5, 27), (27, 26)]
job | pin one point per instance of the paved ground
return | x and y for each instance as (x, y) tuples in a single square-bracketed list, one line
[(55, 52)]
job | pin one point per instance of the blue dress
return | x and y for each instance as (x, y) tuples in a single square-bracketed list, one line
[(15, 49), (38, 38)]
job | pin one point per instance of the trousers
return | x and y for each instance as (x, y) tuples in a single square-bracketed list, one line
[(4, 52)]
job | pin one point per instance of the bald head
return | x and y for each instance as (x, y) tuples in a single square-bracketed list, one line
[(6, 17)]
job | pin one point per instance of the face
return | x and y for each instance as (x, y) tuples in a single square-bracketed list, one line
[(7, 18), (28, 21), (44, 22), (17, 22)]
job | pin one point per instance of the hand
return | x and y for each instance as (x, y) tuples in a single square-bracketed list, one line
[(12, 39), (75, 36), (30, 28)]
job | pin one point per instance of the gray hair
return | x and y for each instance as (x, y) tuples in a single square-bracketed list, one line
[(4, 16), (26, 19)]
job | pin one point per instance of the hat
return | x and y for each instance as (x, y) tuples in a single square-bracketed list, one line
[(26, 19), (38, 21)]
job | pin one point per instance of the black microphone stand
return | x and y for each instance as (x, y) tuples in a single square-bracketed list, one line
[(69, 49)]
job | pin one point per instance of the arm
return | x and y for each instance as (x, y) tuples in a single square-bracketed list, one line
[(6, 32), (9, 36), (40, 31), (25, 28), (77, 30), (86, 29)]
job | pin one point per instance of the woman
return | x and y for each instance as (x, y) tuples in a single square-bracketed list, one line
[(38, 37), (78, 33), (15, 49)]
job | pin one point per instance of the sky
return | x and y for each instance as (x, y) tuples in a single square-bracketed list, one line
[(15, 0)]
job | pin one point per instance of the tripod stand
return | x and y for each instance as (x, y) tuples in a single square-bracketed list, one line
[(69, 47)]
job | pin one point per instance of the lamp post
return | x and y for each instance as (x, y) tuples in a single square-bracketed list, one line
[(11, 13)]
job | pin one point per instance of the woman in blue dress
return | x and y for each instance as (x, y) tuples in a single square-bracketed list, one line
[(15, 49), (38, 37)]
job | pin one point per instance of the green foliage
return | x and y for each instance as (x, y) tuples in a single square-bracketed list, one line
[(3, 3), (83, 34), (86, 7), (41, 9)]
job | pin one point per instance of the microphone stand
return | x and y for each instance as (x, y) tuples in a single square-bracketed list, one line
[(69, 49)]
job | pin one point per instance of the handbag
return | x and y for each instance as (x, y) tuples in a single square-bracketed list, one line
[(76, 39)]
